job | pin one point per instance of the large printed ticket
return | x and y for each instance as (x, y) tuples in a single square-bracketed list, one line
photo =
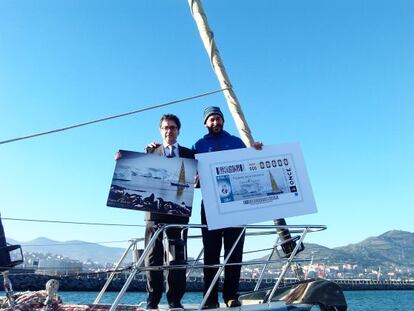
[(245, 186)]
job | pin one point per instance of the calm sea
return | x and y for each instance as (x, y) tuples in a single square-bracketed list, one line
[(357, 300)]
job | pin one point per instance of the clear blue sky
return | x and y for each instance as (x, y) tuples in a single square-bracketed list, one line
[(336, 76)]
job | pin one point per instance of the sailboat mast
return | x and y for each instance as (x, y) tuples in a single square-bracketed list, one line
[(207, 37)]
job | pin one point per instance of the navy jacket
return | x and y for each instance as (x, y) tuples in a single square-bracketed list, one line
[(222, 141)]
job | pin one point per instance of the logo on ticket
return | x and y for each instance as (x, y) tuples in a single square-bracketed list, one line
[(224, 188)]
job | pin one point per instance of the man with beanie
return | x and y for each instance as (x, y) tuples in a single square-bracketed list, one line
[(218, 139)]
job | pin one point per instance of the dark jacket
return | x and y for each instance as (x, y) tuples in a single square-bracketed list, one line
[(222, 141), (163, 218)]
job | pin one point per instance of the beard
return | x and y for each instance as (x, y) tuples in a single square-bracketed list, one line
[(215, 130)]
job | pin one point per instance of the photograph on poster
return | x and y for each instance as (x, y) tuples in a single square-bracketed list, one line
[(148, 182), (247, 186)]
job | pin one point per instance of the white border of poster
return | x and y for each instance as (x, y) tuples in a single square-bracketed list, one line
[(245, 186)]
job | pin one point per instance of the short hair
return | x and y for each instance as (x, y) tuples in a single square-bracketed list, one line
[(171, 117)]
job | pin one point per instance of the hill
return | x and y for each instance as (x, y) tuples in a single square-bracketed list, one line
[(392, 248), (78, 250)]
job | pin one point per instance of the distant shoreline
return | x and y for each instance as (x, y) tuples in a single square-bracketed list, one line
[(95, 282)]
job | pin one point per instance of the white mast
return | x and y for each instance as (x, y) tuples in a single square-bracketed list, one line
[(208, 39)]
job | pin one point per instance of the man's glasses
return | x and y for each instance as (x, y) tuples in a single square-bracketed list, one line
[(172, 128)]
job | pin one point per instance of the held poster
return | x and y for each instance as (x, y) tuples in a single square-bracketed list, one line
[(148, 182), (245, 186)]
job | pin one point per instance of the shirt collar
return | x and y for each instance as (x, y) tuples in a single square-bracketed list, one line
[(175, 145)]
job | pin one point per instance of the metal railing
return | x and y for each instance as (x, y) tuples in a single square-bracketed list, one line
[(298, 234)]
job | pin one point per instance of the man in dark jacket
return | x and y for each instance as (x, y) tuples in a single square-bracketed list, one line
[(218, 139), (176, 279)]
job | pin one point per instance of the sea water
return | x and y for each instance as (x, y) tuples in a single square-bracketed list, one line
[(372, 300)]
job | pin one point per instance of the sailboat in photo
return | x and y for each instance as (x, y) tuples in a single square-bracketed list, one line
[(181, 183), (275, 187)]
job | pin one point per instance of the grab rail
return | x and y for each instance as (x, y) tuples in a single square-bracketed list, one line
[(300, 230)]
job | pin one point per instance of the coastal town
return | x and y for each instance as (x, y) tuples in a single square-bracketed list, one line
[(38, 268)]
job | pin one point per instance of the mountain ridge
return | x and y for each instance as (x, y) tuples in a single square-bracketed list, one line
[(392, 248)]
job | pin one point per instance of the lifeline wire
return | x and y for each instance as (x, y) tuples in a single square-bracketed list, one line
[(73, 222), (111, 117), (65, 244)]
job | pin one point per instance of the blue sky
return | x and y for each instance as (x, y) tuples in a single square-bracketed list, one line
[(336, 76)]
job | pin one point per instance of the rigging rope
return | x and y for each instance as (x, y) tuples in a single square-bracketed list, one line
[(207, 36), (113, 116)]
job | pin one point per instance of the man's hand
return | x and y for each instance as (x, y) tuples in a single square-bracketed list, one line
[(258, 145), (118, 155), (152, 145)]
